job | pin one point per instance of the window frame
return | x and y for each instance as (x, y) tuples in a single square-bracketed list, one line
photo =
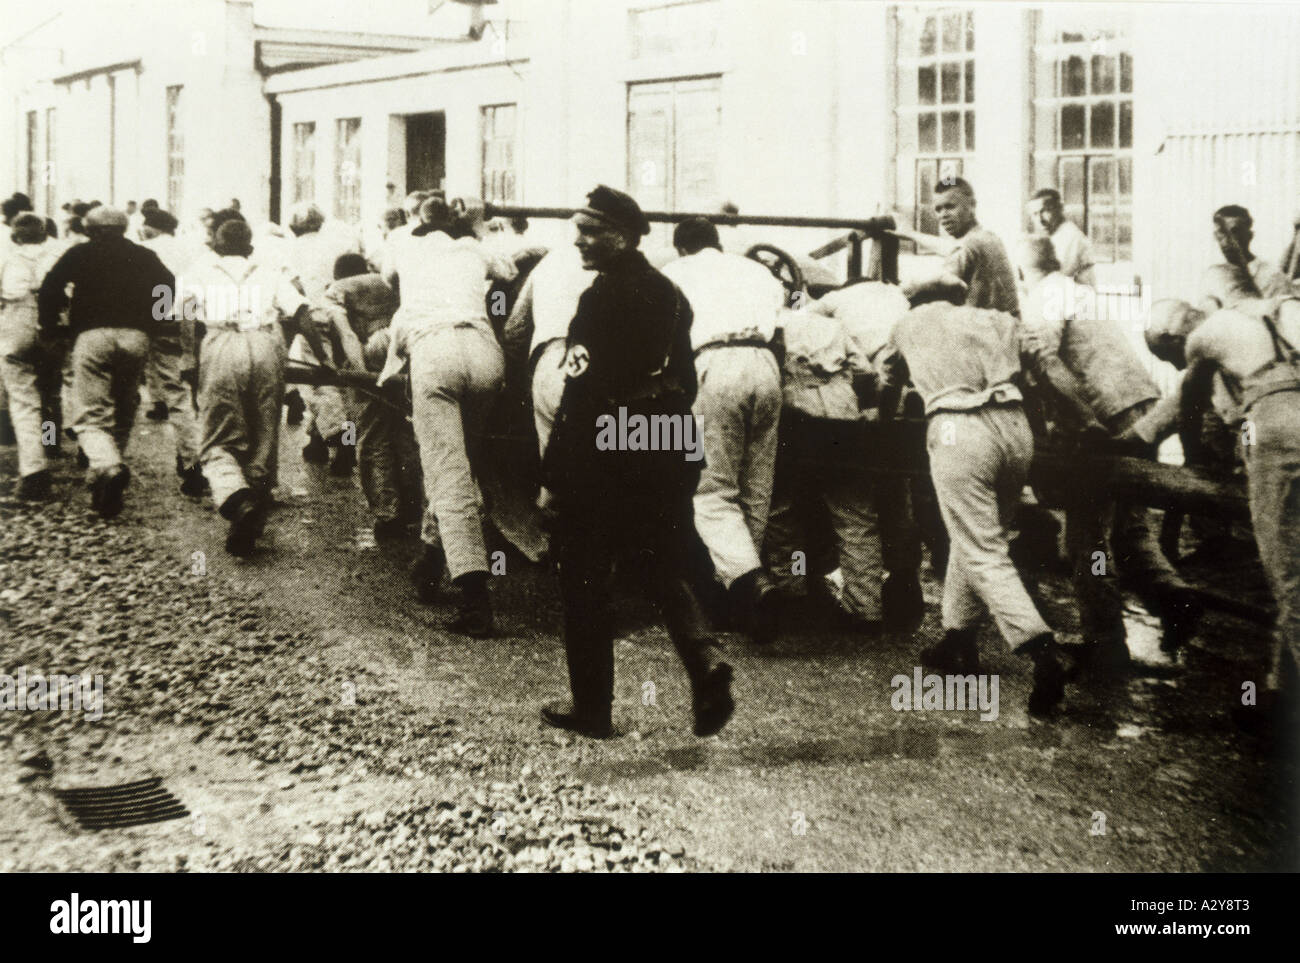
[(304, 174), (510, 193), (175, 147), (347, 187), (674, 194), (1056, 85), (930, 165)]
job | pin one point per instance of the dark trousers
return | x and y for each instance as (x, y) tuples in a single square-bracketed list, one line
[(653, 536)]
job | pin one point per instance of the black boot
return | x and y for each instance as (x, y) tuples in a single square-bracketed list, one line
[(593, 723), (389, 529), (426, 574), (7, 436), (241, 509), (193, 483), (957, 653), (36, 487), (902, 602), (711, 700), (157, 412), (106, 492), (474, 609), (1049, 674), (315, 452), (345, 458), (295, 408), (758, 603)]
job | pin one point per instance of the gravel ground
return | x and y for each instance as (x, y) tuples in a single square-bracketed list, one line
[(313, 717)]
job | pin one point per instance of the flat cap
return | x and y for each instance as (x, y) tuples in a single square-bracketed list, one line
[(106, 217), (616, 209)]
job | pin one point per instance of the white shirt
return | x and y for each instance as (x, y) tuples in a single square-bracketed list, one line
[(170, 251), (23, 267), (730, 296), (311, 259), (557, 282), (1074, 251), (868, 311), (235, 289), (444, 281)]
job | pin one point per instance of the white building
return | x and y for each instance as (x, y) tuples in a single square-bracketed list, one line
[(127, 99), (1147, 117)]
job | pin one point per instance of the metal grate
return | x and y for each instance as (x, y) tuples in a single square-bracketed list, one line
[(130, 804)]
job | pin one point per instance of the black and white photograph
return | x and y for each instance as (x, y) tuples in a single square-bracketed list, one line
[(650, 436)]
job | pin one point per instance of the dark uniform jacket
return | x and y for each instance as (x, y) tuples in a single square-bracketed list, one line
[(114, 286), (629, 347)]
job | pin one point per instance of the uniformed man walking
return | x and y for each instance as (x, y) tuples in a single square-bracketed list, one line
[(116, 286), (628, 358)]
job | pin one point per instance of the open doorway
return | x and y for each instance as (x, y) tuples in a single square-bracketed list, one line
[(426, 151)]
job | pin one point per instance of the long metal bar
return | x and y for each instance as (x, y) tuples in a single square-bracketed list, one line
[(872, 226)]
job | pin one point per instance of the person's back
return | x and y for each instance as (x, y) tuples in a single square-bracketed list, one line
[(1111, 375), (867, 310), (557, 282), (1239, 341), (442, 280), (729, 295), (959, 357)]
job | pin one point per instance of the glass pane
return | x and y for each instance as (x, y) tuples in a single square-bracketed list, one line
[(970, 81), (925, 174), (1101, 179), (970, 130), (926, 133), (1075, 77), (1101, 230), (1124, 236), (1103, 124), (927, 38), (1071, 181), (970, 30), (1072, 121), (698, 122), (1126, 177), (1103, 74), (1126, 72), (1126, 124), (950, 79), (925, 85), (951, 130), (949, 169), (952, 32)]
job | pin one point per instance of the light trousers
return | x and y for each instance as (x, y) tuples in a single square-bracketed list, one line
[(241, 387), (456, 373), (737, 411), (18, 384), (979, 461), (107, 368)]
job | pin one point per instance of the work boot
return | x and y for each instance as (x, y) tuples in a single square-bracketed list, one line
[(711, 700), (241, 509), (1181, 618), (345, 458), (957, 653), (758, 602), (389, 529), (426, 574), (36, 487), (1103, 657), (315, 452), (901, 601), (594, 724), (474, 608), (157, 412), (295, 408), (193, 483), (106, 492), (1049, 674)]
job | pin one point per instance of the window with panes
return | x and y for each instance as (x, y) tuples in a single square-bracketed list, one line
[(673, 129), (500, 150), (304, 162), (1083, 121), (175, 151), (936, 103), (347, 169)]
